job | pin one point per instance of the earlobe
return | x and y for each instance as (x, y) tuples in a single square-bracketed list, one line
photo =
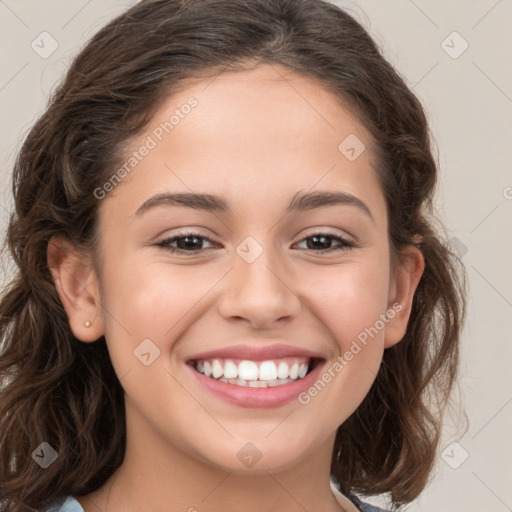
[(403, 285), (77, 285)]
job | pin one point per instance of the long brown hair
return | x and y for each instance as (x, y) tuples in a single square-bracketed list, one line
[(59, 390)]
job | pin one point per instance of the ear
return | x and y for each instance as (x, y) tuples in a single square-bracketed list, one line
[(403, 284), (77, 285)]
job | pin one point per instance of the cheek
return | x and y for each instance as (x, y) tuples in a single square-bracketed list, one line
[(348, 298), (348, 304), (156, 301)]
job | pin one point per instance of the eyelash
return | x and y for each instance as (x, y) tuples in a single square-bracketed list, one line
[(345, 244)]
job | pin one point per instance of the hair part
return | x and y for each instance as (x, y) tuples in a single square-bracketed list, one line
[(65, 392)]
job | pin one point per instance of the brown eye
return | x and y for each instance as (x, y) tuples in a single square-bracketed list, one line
[(322, 242), (186, 243)]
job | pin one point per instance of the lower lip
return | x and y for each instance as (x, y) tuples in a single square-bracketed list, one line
[(257, 397)]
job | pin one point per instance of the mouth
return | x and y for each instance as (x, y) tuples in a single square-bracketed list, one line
[(256, 374)]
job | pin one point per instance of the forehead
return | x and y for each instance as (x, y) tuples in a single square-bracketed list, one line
[(260, 134), (261, 103)]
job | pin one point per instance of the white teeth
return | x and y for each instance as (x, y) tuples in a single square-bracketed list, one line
[(255, 373), (217, 369), (230, 370), (248, 370), (257, 384), (277, 382), (282, 370), (268, 370)]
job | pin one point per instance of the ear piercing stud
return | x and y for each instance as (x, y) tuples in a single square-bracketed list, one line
[(87, 323)]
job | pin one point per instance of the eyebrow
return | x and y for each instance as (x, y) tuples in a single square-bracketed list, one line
[(300, 201)]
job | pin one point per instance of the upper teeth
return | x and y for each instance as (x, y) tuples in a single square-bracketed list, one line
[(224, 369)]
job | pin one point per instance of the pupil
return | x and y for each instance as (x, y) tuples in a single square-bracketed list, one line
[(183, 244), (319, 237)]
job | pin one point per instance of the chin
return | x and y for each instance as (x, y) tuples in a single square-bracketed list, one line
[(257, 456)]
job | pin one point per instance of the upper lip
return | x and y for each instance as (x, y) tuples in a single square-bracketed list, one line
[(255, 353)]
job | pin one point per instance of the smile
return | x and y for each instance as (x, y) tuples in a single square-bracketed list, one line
[(255, 374)]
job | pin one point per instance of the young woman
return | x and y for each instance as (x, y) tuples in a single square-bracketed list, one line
[(231, 292)]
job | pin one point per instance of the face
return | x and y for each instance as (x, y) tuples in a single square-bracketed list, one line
[(257, 280)]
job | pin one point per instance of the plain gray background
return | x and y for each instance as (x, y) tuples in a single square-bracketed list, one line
[(468, 98)]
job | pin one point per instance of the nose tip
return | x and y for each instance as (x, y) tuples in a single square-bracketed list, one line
[(259, 294)]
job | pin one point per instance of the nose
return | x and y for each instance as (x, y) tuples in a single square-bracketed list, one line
[(259, 292)]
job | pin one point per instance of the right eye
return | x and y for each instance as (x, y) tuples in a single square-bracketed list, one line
[(187, 243)]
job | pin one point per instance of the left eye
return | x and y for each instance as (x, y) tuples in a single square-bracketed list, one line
[(191, 243), (326, 239)]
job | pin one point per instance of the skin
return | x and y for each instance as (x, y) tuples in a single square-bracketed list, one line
[(255, 138)]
